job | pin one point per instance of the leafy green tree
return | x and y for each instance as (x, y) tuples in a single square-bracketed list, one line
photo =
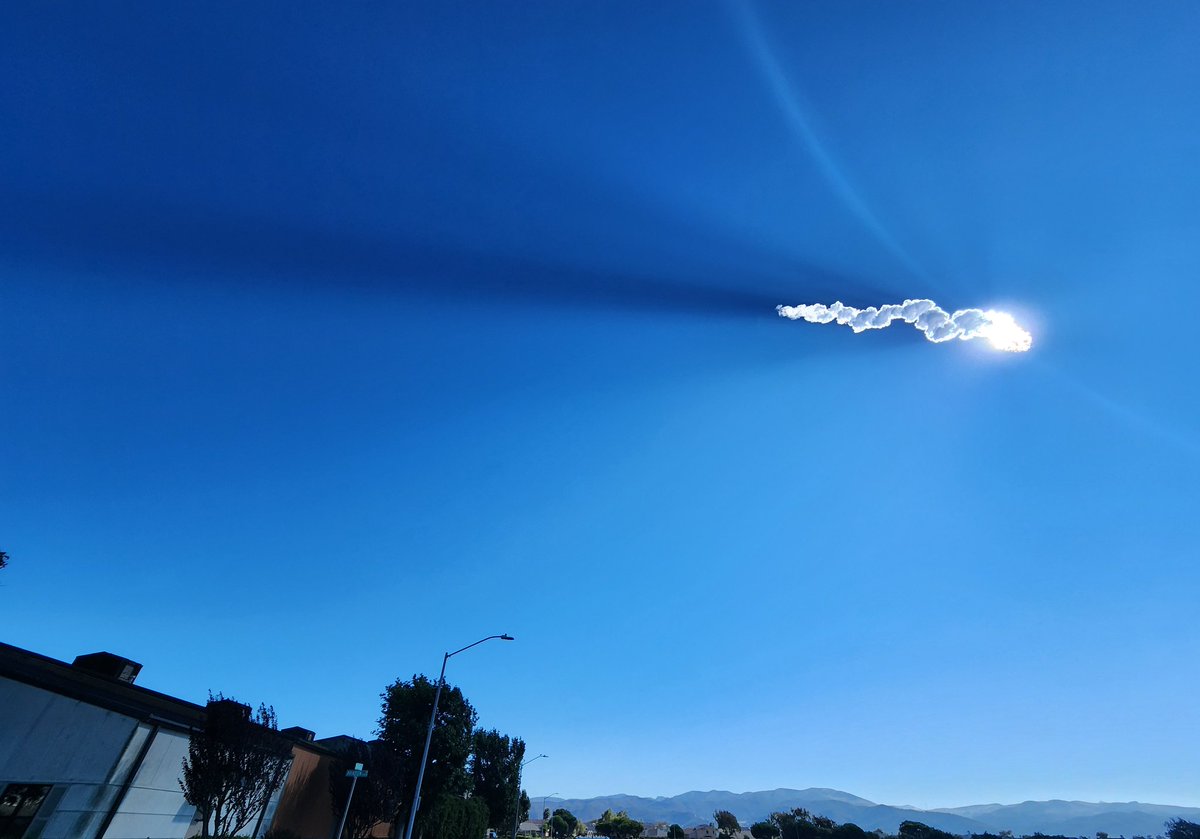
[(3, 559), (727, 824), (796, 824), (496, 776), (764, 830), (376, 796), (455, 817), (849, 830), (403, 721), (618, 826), (1181, 829), (917, 830), (234, 765), (675, 832), (563, 824)]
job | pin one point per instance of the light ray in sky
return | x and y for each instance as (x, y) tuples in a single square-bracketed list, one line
[(790, 105), (999, 328)]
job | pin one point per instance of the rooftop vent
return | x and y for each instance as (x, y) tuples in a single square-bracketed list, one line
[(109, 666)]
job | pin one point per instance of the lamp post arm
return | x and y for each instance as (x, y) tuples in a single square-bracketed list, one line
[(505, 636)]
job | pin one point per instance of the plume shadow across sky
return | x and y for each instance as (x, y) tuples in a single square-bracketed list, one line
[(130, 238)]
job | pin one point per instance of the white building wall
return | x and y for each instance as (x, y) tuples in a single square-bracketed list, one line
[(154, 806), (47, 738), (87, 754), (268, 815), (87, 740)]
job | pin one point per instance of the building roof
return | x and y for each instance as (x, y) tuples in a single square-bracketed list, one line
[(97, 680), (109, 692)]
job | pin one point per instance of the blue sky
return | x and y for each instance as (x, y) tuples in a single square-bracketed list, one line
[(332, 339)]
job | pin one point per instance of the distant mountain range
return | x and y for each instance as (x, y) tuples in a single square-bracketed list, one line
[(1069, 818)]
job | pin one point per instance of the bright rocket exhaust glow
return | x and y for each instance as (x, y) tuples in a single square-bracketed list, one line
[(999, 328)]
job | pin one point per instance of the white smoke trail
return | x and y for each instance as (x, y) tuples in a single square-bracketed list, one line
[(938, 325)]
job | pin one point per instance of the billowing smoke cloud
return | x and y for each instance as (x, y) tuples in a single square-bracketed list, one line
[(938, 325)]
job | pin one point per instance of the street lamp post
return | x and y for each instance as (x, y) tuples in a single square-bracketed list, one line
[(544, 797), (517, 809), (412, 813)]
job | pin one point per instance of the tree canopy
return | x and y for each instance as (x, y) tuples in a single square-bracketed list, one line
[(455, 817), (563, 824), (917, 830), (801, 824), (1181, 829), (764, 830), (618, 826), (496, 775), (403, 721), (727, 824)]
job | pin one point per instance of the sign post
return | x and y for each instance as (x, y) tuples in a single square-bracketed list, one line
[(355, 773)]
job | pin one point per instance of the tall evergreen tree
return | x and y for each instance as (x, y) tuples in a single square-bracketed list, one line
[(496, 777)]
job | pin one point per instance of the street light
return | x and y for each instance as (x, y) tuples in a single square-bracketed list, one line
[(412, 813), (544, 797), (517, 809)]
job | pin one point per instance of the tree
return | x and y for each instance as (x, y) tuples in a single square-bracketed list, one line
[(455, 817), (1180, 829), (849, 830), (496, 776), (794, 825), (563, 824), (618, 826), (917, 830), (376, 796), (234, 765), (403, 721), (763, 830), (3, 558), (675, 832), (727, 824)]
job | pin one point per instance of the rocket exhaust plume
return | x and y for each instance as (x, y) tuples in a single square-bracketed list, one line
[(998, 328)]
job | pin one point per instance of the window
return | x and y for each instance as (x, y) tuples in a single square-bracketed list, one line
[(19, 803)]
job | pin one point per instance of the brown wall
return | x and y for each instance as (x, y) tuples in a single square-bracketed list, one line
[(305, 806)]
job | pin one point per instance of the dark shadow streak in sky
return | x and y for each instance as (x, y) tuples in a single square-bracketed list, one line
[(180, 244)]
